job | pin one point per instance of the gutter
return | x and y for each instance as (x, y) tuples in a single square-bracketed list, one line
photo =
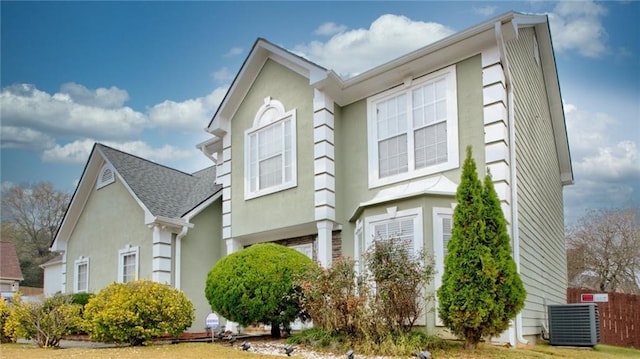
[(513, 178)]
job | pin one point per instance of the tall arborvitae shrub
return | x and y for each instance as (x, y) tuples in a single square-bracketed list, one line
[(510, 293), (480, 289)]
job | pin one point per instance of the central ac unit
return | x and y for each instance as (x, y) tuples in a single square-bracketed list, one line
[(574, 324)]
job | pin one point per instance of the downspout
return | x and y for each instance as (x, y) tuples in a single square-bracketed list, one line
[(512, 168), (183, 232)]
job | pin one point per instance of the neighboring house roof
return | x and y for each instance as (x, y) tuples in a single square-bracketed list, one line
[(438, 54), (9, 264), (161, 191)]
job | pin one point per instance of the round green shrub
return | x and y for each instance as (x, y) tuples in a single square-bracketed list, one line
[(137, 312), (256, 285)]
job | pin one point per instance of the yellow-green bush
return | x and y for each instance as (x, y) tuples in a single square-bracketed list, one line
[(46, 321), (137, 312), (4, 315)]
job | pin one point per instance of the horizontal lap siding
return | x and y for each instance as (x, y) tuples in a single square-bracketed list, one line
[(540, 206)]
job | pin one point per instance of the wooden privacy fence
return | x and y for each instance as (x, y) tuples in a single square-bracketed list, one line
[(619, 317)]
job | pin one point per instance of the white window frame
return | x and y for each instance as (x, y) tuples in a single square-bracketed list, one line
[(271, 114), (449, 75), (394, 215), (439, 215), (81, 261), (306, 249), (129, 250)]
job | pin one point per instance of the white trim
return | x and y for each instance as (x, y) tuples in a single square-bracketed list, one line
[(439, 185), (128, 250), (449, 75), (270, 114), (81, 261), (106, 176), (439, 214)]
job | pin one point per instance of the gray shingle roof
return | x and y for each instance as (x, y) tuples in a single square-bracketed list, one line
[(163, 190)]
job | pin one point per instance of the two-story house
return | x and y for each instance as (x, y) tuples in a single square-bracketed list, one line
[(325, 164)]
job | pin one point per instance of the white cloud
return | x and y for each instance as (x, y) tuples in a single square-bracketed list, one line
[(223, 75), (234, 51), (606, 170), (25, 106), (101, 97), (24, 138), (77, 152), (390, 36), (487, 10), (577, 25), (329, 28), (191, 115)]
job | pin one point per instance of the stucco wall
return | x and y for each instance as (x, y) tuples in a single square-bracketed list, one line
[(292, 206), (111, 219), (351, 146), (201, 248)]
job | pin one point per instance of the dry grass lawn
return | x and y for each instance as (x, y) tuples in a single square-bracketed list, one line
[(202, 350)]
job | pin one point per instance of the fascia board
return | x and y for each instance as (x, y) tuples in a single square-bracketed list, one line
[(554, 98), (202, 206), (78, 200), (429, 58), (260, 53)]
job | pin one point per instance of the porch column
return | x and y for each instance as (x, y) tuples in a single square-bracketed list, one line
[(161, 262), (233, 245), (325, 245)]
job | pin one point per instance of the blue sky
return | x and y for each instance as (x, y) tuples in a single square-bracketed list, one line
[(146, 77)]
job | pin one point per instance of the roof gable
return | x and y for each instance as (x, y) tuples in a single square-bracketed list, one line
[(161, 191)]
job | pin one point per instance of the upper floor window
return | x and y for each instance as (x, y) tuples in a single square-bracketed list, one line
[(413, 129), (270, 150), (128, 264)]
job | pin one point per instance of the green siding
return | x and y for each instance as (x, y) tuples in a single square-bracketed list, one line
[(201, 248), (540, 203), (110, 220), (292, 206)]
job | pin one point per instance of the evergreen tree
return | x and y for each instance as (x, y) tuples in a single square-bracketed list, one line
[(480, 289), (510, 293)]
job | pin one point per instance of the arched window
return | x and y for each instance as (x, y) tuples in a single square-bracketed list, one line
[(270, 150)]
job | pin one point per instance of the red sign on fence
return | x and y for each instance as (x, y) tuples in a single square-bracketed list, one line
[(594, 298)]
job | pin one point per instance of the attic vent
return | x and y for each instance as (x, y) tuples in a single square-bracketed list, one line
[(574, 324), (106, 176)]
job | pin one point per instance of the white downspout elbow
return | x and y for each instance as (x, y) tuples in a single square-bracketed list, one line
[(178, 262), (512, 170)]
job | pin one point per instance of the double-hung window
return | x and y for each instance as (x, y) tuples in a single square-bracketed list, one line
[(270, 151), (405, 226), (81, 275), (413, 129), (128, 264), (442, 226)]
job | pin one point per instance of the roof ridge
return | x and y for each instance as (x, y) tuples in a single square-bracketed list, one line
[(145, 160)]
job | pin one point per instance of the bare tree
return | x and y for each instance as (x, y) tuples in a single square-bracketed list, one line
[(603, 251), (30, 218)]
